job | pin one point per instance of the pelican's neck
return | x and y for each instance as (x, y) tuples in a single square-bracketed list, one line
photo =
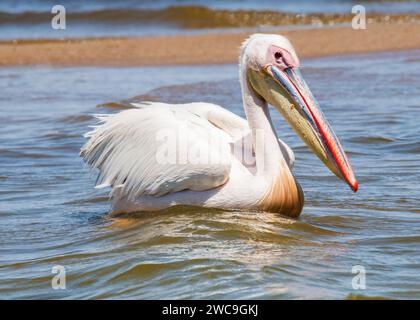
[(284, 194), (264, 138)]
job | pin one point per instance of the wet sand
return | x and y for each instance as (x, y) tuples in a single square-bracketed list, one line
[(214, 48)]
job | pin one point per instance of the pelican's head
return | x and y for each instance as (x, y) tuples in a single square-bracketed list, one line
[(272, 70)]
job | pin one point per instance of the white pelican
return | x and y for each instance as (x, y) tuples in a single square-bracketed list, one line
[(140, 153)]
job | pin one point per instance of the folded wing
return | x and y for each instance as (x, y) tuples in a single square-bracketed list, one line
[(156, 148)]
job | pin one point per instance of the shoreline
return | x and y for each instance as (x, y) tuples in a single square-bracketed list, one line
[(212, 48)]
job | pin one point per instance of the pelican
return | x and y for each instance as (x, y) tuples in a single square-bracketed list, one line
[(148, 154)]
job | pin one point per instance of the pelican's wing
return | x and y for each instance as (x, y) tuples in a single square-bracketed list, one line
[(158, 149), (235, 126)]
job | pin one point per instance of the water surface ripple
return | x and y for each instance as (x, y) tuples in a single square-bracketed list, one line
[(51, 215)]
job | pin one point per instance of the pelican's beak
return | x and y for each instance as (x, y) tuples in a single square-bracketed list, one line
[(287, 91)]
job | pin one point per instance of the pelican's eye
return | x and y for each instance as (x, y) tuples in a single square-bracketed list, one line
[(280, 57)]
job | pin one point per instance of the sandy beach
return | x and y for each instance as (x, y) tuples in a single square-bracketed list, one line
[(213, 48)]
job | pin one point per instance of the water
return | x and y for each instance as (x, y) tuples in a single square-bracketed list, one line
[(51, 215), (297, 6), (101, 18)]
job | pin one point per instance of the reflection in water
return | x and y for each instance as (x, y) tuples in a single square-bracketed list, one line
[(51, 214)]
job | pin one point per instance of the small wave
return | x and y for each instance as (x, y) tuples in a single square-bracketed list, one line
[(390, 240), (198, 17), (59, 136), (146, 270), (114, 105), (211, 91), (16, 154), (372, 140), (76, 118), (353, 296), (87, 201)]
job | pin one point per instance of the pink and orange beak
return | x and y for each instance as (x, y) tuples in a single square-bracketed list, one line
[(288, 92)]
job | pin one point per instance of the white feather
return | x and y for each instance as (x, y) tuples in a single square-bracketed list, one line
[(124, 148)]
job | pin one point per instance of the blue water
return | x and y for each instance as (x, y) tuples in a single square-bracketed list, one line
[(50, 214), (298, 6), (32, 19)]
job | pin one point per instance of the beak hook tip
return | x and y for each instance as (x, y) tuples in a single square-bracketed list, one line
[(355, 186)]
